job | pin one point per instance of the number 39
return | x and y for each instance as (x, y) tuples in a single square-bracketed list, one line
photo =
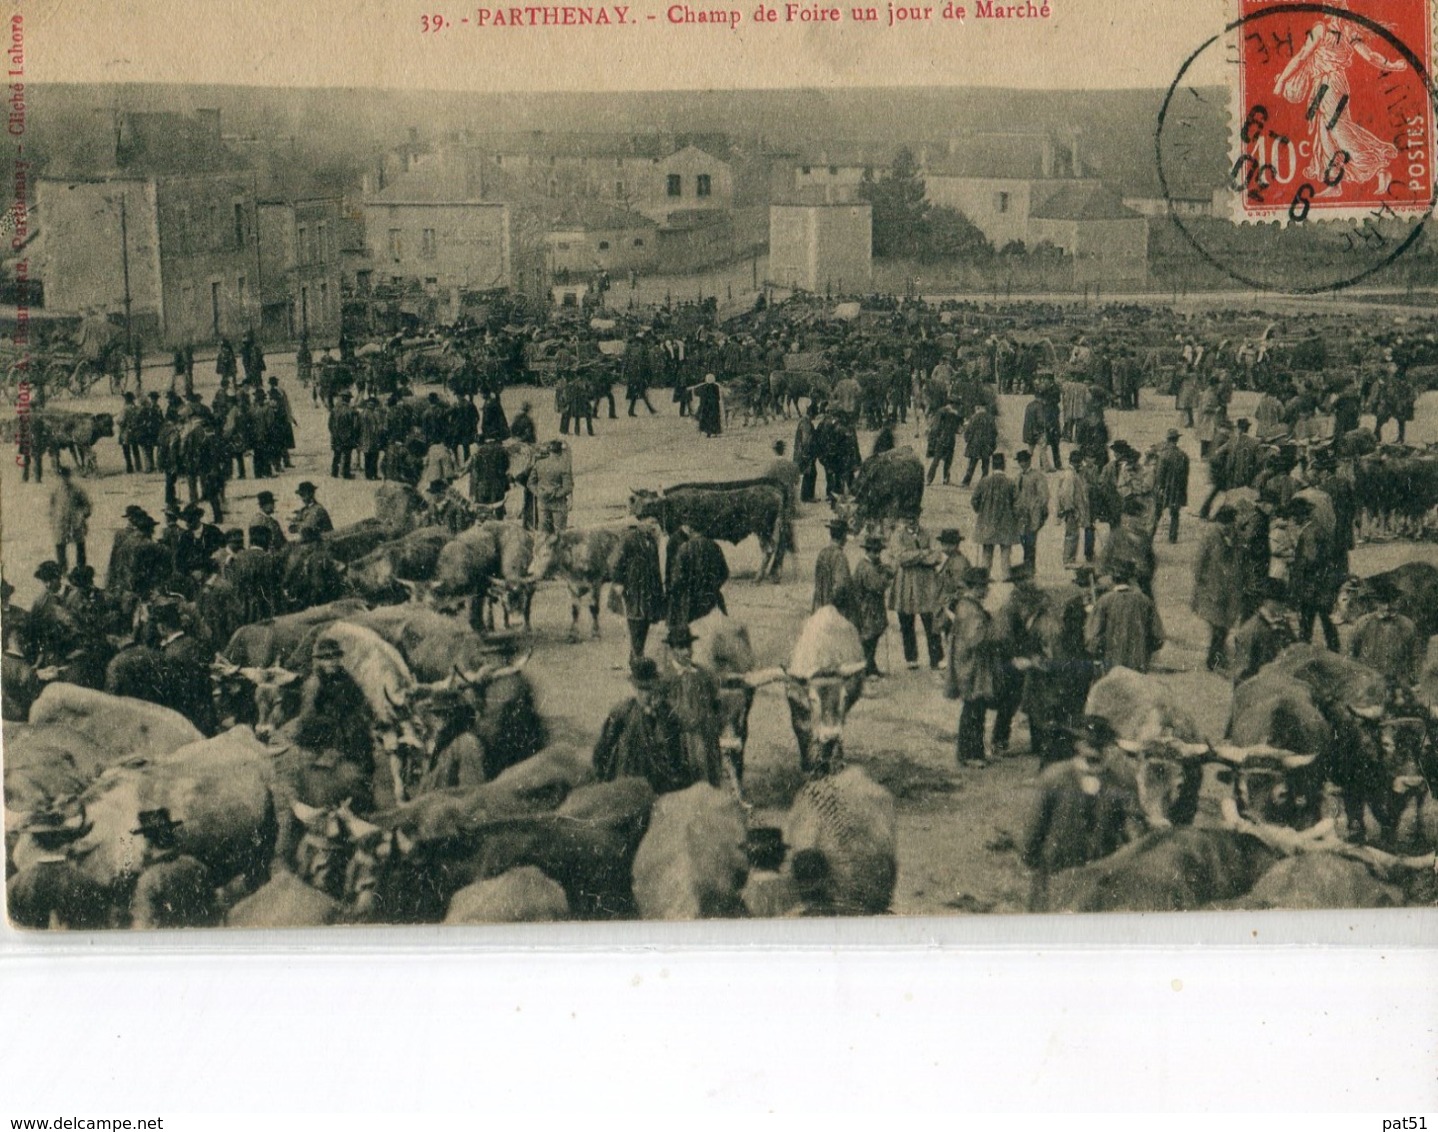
[(431, 23)]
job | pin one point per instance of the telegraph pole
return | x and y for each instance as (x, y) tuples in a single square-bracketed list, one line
[(130, 346)]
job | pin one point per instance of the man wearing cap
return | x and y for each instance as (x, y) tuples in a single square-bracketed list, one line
[(693, 693), (1386, 640), (1313, 583), (1267, 633), (642, 736), (1217, 585), (174, 890), (69, 518), (1170, 482), (1033, 506), (915, 592), (552, 480), (831, 567), (312, 515), (344, 426), (522, 427), (995, 501), (872, 578), (52, 631), (971, 676), (49, 891), (1124, 628), (266, 519)]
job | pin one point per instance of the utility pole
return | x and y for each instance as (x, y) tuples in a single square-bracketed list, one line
[(131, 347)]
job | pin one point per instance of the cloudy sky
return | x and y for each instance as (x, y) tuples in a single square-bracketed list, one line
[(1085, 44)]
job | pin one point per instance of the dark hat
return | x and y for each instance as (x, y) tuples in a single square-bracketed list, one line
[(82, 575), (1225, 514), (347, 396), (192, 511), (305, 488), (1243, 424), (976, 576), (679, 636), (643, 672), (129, 396), (1174, 434), (1120, 445), (438, 487), (235, 534), (154, 395), (1097, 730), (144, 520), (764, 846), (950, 536), (165, 611), (157, 823), (49, 571), (133, 509), (327, 648), (1084, 575), (265, 497), (58, 821), (838, 526), (1023, 456), (873, 541)]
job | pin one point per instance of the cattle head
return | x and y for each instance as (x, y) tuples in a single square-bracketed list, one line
[(513, 596), (1355, 599), (736, 698), (1404, 742), (104, 424), (262, 697), (1167, 774), (407, 732), (818, 706), (645, 504), (343, 855), (1272, 786), (457, 700)]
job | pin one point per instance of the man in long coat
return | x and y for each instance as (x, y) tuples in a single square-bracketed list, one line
[(915, 592), (972, 668), (1033, 506), (870, 585), (709, 406), (643, 736), (995, 501), (831, 567), (69, 518), (696, 580), (1386, 640), (981, 437), (1313, 583), (1217, 586), (693, 693), (943, 434), (1072, 506), (1170, 482), (636, 573), (1124, 628)]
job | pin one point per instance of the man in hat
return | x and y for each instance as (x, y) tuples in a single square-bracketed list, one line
[(552, 480), (831, 567), (950, 574), (1072, 506), (256, 574), (643, 737), (492, 421), (1386, 640), (284, 423), (489, 475), (1129, 548), (188, 670), (1170, 482), (449, 509), (1313, 581), (1218, 585), (1124, 628), (372, 435), (972, 674), (1267, 633), (693, 694), (981, 438), (1084, 810), (995, 501), (174, 890), (312, 515), (52, 631), (69, 518), (312, 576), (266, 520), (805, 456), (915, 591), (335, 722), (127, 425), (197, 543), (49, 891), (1033, 506), (149, 419), (344, 426), (872, 578)]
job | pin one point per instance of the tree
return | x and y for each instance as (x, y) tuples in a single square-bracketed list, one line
[(907, 226)]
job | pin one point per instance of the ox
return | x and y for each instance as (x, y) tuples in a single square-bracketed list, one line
[(721, 646), (726, 512), (63, 430), (889, 488), (486, 564), (1279, 746), (584, 558), (381, 575), (824, 678), (1416, 586)]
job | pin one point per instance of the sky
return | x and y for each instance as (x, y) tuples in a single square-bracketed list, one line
[(1083, 44)]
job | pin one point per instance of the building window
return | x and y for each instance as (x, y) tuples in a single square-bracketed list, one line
[(241, 292), (553, 187), (604, 245), (426, 243), (562, 246), (396, 280), (240, 225), (675, 185), (395, 243), (324, 302), (323, 229), (215, 309), (618, 190), (804, 169), (302, 236), (702, 185), (638, 243), (1001, 202), (833, 170)]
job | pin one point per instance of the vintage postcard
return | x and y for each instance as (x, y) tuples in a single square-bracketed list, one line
[(492, 464)]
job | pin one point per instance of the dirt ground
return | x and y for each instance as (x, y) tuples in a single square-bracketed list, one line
[(957, 826)]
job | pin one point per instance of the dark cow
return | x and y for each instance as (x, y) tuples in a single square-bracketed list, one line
[(1416, 585), (1279, 745), (726, 512), (889, 488), (1392, 486), (64, 431), (824, 678), (584, 558), (380, 576), (721, 646)]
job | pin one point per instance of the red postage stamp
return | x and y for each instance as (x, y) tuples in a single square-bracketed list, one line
[(1333, 110)]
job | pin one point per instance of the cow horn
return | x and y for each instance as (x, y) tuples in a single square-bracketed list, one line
[(1297, 762), (1129, 746), (305, 813), (224, 666), (853, 668), (390, 699), (1370, 713), (760, 677), (512, 669)]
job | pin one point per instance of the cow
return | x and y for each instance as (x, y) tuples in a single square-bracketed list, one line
[(286, 640), (889, 488), (381, 576), (584, 558), (218, 788), (1279, 745), (721, 647), (1390, 486), (63, 430), (513, 589), (1416, 586), (350, 543), (725, 512), (488, 564), (843, 841), (823, 680)]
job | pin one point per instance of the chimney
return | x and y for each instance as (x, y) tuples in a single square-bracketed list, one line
[(1075, 161)]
